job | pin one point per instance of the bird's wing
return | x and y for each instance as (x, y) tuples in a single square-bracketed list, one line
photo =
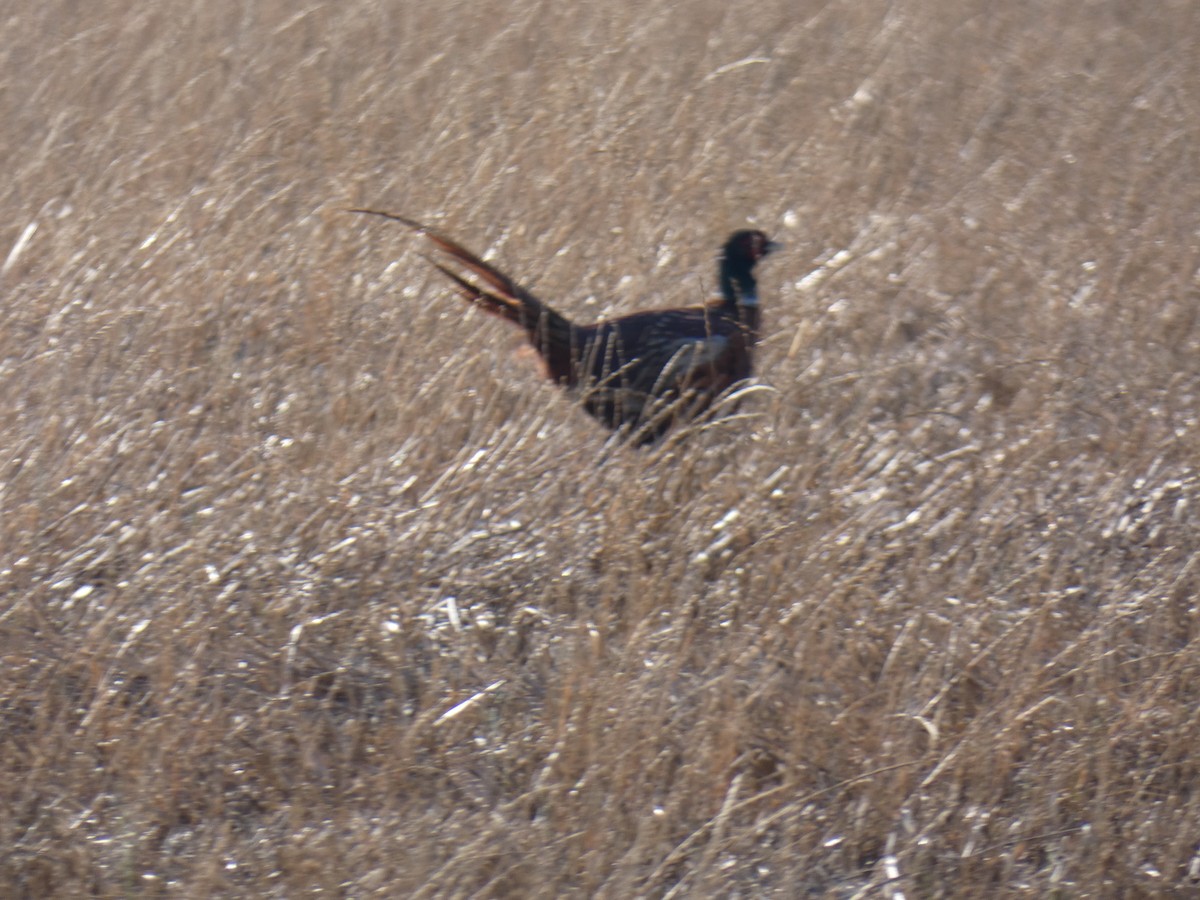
[(687, 358)]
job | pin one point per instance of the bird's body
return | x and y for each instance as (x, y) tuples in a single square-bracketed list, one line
[(640, 372)]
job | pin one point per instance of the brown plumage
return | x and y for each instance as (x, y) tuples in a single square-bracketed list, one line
[(639, 373)]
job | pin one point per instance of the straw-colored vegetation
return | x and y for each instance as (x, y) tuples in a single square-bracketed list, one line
[(307, 584)]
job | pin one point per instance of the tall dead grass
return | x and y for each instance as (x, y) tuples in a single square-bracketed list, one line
[(307, 584)]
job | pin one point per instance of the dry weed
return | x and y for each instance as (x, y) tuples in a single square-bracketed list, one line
[(307, 584)]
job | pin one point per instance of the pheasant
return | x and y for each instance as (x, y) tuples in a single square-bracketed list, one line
[(638, 373)]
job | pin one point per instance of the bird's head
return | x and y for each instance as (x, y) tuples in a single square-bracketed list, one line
[(745, 248)]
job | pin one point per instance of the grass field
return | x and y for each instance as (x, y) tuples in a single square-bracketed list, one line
[(308, 585)]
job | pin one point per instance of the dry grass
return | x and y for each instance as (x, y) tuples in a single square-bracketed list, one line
[(307, 585)]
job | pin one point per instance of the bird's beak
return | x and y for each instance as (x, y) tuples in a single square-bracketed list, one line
[(771, 247)]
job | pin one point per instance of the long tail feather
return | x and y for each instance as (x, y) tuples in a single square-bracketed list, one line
[(493, 276), (502, 306), (548, 330)]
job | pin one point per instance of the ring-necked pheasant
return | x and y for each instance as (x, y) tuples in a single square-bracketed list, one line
[(640, 372)]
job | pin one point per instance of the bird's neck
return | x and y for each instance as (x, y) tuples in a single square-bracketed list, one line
[(739, 295)]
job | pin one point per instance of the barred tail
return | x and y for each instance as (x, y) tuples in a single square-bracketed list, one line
[(548, 330)]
